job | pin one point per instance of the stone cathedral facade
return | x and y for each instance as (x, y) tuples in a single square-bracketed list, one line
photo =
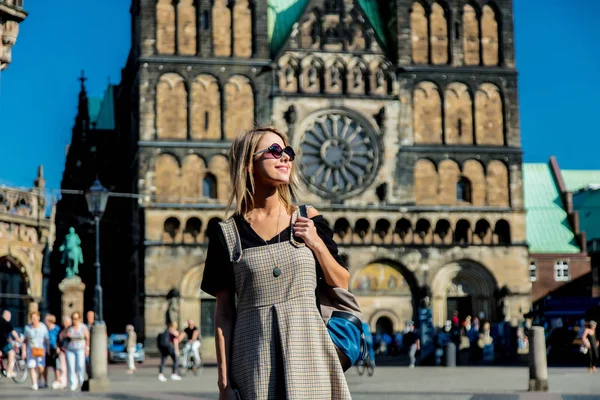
[(406, 119)]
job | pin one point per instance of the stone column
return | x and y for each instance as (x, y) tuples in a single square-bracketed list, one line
[(72, 295), (538, 366), (98, 381)]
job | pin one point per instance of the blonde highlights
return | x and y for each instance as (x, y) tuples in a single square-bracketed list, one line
[(241, 158)]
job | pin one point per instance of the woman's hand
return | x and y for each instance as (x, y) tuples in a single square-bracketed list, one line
[(227, 394), (305, 229)]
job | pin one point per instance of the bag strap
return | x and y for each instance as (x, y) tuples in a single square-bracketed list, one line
[(304, 211)]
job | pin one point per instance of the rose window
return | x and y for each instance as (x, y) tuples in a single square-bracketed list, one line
[(339, 154)]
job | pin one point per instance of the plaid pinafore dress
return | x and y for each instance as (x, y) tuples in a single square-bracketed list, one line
[(277, 315)]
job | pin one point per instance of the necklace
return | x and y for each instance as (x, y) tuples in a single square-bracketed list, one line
[(276, 270)]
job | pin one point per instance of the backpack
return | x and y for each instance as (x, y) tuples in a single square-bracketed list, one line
[(162, 340), (342, 316)]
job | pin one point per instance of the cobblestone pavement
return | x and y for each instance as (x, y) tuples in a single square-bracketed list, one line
[(463, 383)]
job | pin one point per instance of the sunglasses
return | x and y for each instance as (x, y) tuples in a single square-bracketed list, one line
[(276, 151)]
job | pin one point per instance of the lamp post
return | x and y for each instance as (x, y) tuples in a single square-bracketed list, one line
[(97, 197)]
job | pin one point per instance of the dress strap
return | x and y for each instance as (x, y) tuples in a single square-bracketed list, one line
[(232, 238)]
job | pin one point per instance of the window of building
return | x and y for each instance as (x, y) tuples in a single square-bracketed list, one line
[(532, 271), (561, 271), (463, 190), (209, 186)]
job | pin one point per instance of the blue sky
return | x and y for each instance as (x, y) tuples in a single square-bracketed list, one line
[(557, 44)]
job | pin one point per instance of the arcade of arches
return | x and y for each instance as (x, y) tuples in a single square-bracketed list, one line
[(389, 293)]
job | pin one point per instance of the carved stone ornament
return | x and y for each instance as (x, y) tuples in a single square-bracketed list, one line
[(340, 154)]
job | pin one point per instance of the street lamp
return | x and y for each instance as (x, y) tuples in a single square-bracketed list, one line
[(97, 197)]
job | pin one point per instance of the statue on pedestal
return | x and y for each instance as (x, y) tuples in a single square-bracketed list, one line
[(72, 254)]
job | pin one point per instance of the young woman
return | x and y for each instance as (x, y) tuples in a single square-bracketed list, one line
[(36, 341), (130, 347), (52, 354), (590, 340), (273, 343), (170, 350), (63, 340), (78, 348)]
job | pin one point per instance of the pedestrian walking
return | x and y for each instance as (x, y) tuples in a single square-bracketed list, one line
[(131, 345), (62, 343), (590, 340), (412, 342), (7, 338), (271, 341), (78, 348), (168, 345), (52, 354), (36, 344)]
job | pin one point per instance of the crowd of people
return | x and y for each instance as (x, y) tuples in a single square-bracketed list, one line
[(64, 348)]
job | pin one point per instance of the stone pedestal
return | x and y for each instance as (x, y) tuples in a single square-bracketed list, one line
[(98, 381), (72, 295)]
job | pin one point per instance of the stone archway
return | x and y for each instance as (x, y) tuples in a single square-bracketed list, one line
[(466, 284), (15, 290)]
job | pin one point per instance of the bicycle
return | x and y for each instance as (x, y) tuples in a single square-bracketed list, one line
[(366, 364), (19, 367), (188, 360)]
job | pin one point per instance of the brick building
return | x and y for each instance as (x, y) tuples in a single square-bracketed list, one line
[(562, 214), (406, 119)]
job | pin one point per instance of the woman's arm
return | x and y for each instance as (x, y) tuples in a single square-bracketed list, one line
[(334, 274), (224, 320), (584, 338)]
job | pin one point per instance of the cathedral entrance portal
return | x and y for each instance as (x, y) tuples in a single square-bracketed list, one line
[(466, 287)]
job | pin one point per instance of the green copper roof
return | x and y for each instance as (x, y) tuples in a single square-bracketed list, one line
[(371, 10), (547, 227), (106, 114), (281, 17), (587, 204), (94, 104), (283, 14), (578, 179)]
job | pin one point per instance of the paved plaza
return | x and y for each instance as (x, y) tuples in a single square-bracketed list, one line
[(462, 383)]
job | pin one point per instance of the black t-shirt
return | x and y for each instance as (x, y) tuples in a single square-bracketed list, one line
[(218, 268), (5, 332), (190, 332), (409, 338)]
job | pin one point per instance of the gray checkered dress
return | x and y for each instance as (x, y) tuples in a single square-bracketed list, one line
[(277, 319)]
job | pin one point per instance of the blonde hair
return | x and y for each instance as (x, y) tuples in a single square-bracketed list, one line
[(241, 158), (51, 318)]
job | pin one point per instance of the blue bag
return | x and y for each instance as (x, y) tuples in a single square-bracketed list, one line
[(342, 316)]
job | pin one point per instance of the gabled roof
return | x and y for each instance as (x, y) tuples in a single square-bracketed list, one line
[(579, 179), (283, 14), (587, 204), (106, 114), (547, 227), (371, 10), (94, 104), (281, 17)]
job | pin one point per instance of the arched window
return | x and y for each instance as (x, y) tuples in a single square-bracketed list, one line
[(193, 227), (209, 186), (171, 227), (463, 190)]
